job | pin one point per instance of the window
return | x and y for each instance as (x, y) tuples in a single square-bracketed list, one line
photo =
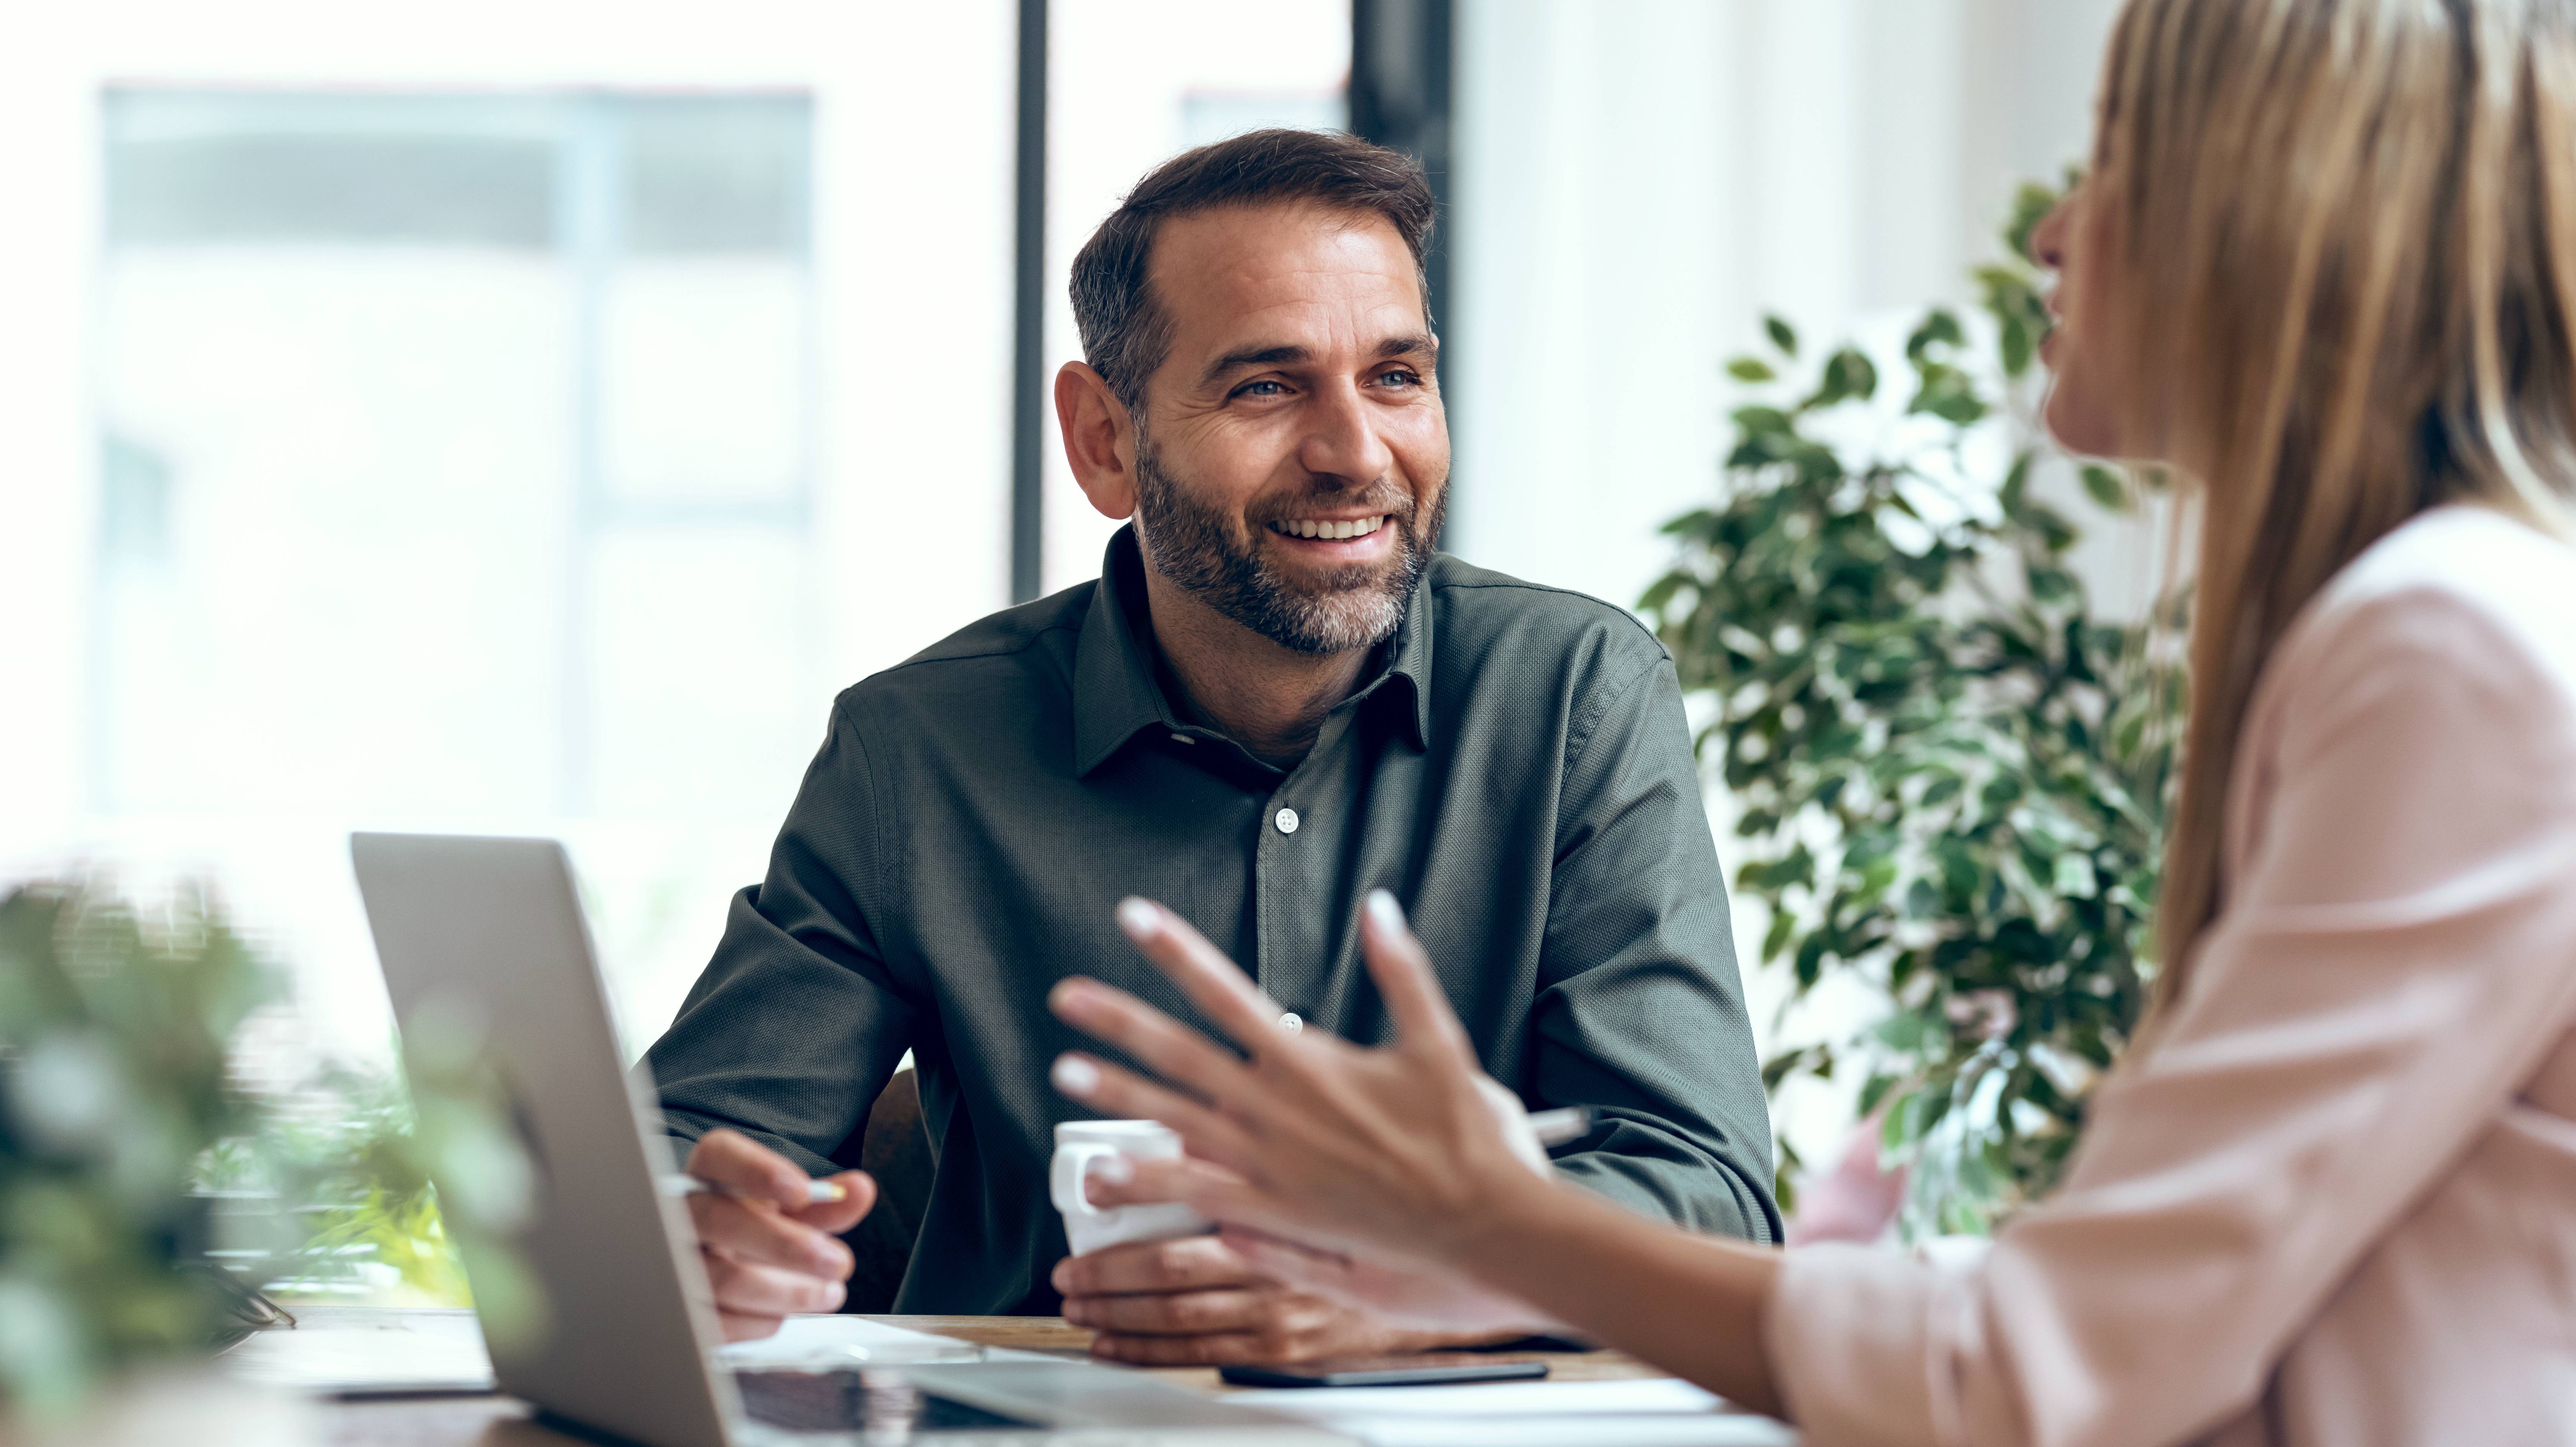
[(539, 364), (458, 459)]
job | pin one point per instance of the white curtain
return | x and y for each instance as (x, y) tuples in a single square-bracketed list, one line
[(1638, 182)]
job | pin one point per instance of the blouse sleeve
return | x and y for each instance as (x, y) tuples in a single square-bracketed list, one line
[(2397, 954)]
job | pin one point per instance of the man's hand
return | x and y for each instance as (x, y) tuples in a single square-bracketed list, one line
[(1197, 1302), (769, 1249)]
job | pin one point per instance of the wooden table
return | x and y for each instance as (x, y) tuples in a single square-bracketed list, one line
[(502, 1421)]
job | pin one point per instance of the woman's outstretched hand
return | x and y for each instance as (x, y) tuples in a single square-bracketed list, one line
[(1390, 1156)]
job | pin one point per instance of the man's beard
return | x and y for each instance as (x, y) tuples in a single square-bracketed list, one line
[(1356, 606)]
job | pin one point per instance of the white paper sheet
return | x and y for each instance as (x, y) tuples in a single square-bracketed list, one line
[(1666, 1395), (1652, 1412), (397, 1351), (822, 1342), (1637, 1430), (800, 1337), (424, 1351)]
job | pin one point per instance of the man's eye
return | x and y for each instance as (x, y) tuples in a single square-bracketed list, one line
[(1400, 378), (1263, 388)]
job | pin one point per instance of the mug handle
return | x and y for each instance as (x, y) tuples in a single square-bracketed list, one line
[(1065, 1177)]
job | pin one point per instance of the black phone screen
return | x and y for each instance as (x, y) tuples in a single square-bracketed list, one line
[(1413, 1371)]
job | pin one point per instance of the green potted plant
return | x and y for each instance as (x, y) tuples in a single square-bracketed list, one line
[(1951, 771)]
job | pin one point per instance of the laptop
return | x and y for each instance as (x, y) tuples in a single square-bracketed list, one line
[(490, 932)]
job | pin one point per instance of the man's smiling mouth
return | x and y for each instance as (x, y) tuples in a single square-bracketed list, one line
[(1328, 527)]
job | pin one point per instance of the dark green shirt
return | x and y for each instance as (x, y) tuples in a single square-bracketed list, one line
[(1516, 769)]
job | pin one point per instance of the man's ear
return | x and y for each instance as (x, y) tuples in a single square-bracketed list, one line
[(1099, 439)]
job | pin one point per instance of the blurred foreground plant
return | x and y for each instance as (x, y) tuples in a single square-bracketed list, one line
[(352, 1167), (1951, 771), (122, 1128), (114, 1026)]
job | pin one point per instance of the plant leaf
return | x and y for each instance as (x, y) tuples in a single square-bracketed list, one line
[(2106, 488)]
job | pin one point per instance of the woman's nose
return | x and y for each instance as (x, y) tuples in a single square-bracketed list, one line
[(2048, 238)]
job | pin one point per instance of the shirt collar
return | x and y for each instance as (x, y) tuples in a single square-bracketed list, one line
[(1114, 691), (1408, 662)]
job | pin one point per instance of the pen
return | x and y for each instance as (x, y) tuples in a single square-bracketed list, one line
[(1552, 1127), (817, 1193), (1555, 1127)]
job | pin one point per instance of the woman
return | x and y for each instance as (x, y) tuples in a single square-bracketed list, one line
[(2325, 266)]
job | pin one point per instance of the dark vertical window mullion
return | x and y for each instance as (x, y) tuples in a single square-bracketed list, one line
[(1028, 363), (1402, 97)]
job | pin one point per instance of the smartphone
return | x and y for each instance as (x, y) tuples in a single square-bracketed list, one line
[(1415, 1371)]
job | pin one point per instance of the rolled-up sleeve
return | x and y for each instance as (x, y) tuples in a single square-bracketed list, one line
[(2397, 955), (1640, 1011), (797, 1022)]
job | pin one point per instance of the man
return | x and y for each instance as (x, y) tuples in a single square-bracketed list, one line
[(1276, 698)]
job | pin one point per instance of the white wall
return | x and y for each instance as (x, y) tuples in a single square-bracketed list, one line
[(1638, 182), (1594, 276)]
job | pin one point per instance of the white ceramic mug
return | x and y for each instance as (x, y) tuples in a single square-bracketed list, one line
[(1081, 1145)]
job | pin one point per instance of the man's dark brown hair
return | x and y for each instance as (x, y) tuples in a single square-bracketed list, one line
[(1125, 333)]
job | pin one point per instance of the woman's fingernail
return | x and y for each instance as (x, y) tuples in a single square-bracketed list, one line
[(1138, 918), (1116, 1170), (1075, 1076), (1383, 908)]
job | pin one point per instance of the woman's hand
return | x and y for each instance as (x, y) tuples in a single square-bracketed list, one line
[(1392, 1156)]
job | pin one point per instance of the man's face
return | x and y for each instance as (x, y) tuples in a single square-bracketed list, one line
[(1292, 454)]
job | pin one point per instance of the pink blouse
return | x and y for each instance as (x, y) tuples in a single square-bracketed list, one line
[(2337, 1203)]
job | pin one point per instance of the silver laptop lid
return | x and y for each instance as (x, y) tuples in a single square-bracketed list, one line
[(490, 930)]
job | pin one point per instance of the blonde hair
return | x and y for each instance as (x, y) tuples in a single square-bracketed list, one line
[(2340, 241)]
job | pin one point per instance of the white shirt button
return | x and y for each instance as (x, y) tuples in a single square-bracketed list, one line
[(1183, 739), (1290, 1023), (1286, 819)]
